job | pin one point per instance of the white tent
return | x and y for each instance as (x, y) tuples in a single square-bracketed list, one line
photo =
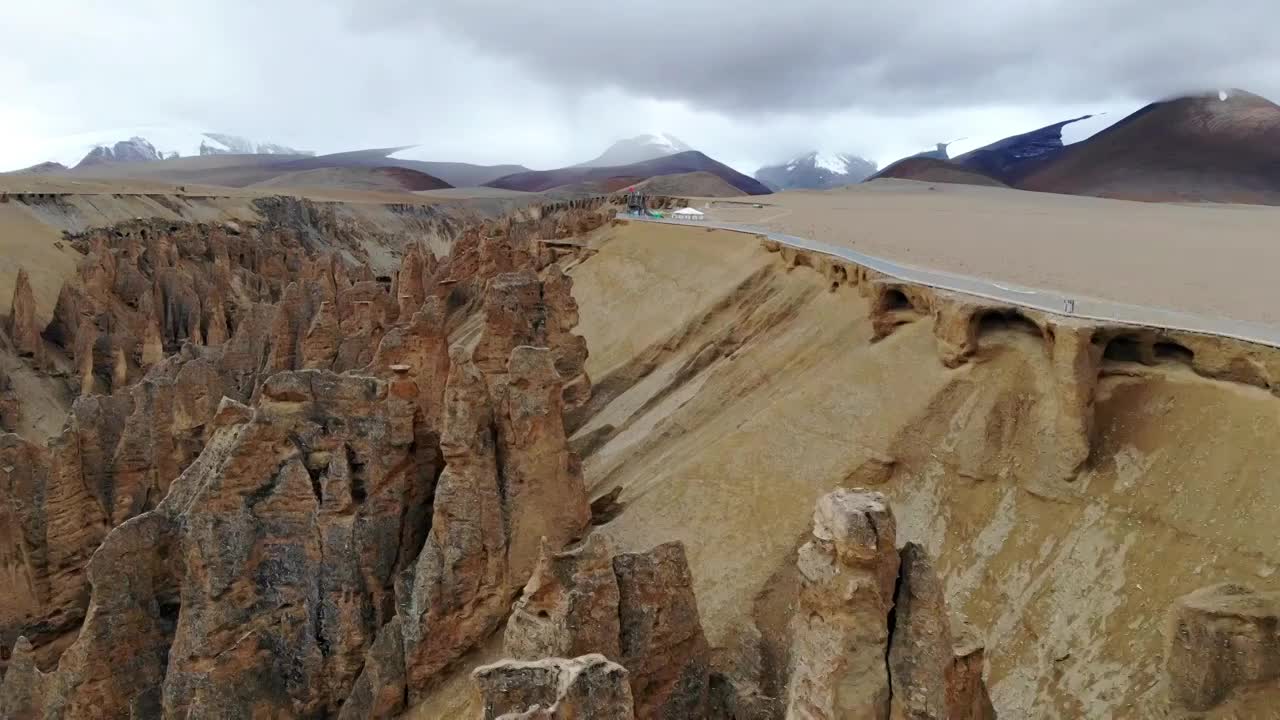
[(688, 214)]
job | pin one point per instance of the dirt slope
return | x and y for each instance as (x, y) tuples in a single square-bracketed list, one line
[(750, 391), (927, 169), (697, 184), (678, 164), (378, 178)]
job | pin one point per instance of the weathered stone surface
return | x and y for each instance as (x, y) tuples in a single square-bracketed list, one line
[(569, 607), (967, 696), (116, 665), (555, 689), (278, 556), (10, 406), (543, 492), (421, 344), (410, 289), (320, 345), (872, 636), (23, 689), (1221, 640), (49, 526), (22, 326), (921, 652), (662, 643), (848, 572), (1076, 360), (379, 692), (460, 588), (568, 348), (513, 316), (267, 570)]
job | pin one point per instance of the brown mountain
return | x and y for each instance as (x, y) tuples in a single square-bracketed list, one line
[(358, 178), (245, 170), (932, 169), (1217, 147), (678, 164)]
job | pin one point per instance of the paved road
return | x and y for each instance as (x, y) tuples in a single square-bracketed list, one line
[(1050, 301)]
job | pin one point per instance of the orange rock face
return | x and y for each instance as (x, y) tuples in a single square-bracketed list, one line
[(297, 501)]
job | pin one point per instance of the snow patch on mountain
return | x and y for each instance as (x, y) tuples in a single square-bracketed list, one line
[(665, 141), (1082, 130), (817, 170), (639, 149), (831, 161), (160, 141)]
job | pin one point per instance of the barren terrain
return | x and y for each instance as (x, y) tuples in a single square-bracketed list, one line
[(1071, 480), (1207, 259)]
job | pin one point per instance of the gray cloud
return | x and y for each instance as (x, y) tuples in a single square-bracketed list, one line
[(811, 55), (552, 83)]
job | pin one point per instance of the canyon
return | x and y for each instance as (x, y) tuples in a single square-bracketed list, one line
[(287, 457)]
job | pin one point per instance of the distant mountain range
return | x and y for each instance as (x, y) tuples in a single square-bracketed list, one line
[(155, 142), (613, 178), (1218, 146), (816, 171)]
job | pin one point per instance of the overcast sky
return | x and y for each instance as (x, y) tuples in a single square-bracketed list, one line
[(553, 82)]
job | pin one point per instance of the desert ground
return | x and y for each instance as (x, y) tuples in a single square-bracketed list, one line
[(1208, 259)]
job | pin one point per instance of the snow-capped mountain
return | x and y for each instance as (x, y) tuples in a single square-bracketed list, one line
[(817, 170), (639, 149), (147, 143)]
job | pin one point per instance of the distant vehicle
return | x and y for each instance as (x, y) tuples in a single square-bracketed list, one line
[(758, 206), (657, 215)]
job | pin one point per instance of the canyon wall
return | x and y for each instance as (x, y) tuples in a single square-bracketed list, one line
[(299, 479)]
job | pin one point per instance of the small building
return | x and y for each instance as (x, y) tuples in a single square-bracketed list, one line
[(688, 214)]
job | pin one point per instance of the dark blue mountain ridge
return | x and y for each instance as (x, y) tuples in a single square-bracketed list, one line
[(1013, 158)]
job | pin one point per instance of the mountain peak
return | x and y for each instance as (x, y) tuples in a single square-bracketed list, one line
[(640, 148), (817, 170), (148, 143)]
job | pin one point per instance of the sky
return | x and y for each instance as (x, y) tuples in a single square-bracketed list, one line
[(551, 83)]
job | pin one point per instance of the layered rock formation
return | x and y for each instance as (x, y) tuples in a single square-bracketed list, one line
[(637, 609), (22, 328), (1222, 646), (871, 637), (270, 526), (587, 687), (871, 634)]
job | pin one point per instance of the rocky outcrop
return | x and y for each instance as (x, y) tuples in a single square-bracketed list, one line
[(50, 524), (22, 689), (1221, 641), (849, 570), (22, 327), (265, 574), (932, 675), (662, 643), (635, 608), (459, 591), (543, 494), (257, 461), (872, 637), (555, 689), (10, 406), (569, 607)]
